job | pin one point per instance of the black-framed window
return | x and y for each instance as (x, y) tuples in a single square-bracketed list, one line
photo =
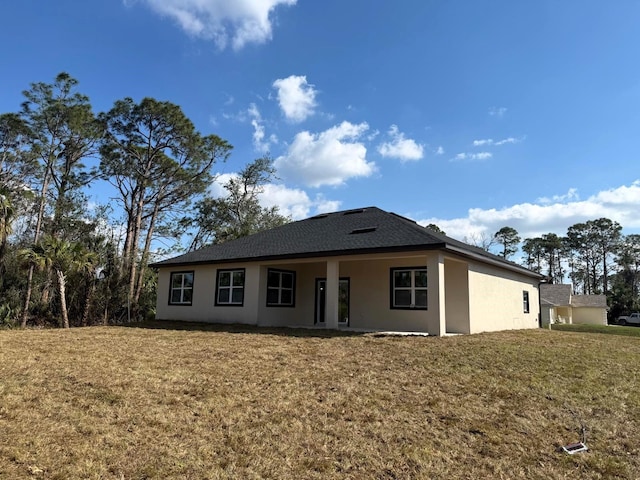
[(409, 288), (525, 301), (281, 288), (230, 287), (181, 288)]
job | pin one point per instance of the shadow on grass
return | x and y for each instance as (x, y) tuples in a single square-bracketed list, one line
[(241, 328)]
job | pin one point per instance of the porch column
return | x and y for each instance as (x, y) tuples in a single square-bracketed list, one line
[(331, 294), (435, 276)]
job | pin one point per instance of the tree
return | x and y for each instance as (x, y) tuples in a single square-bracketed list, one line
[(7, 213), (239, 213), (592, 245), (552, 247), (159, 164), (17, 163), (479, 240), (584, 260), (509, 239), (625, 294), (606, 236), (532, 247), (62, 257), (435, 228), (61, 133)]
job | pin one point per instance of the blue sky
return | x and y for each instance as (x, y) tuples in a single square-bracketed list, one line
[(471, 115)]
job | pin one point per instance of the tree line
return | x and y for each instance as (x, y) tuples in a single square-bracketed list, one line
[(69, 261), (594, 256)]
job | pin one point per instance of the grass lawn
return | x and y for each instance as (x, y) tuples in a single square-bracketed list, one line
[(629, 331), (136, 403)]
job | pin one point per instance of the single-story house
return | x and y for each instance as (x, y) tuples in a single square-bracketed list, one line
[(362, 269), (558, 304)]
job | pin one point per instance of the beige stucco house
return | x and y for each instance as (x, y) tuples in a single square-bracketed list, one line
[(363, 269), (558, 304)]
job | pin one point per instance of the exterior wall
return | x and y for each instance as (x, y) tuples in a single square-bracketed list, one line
[(551, 314), (203, 307), (370, 293), (369, 282), (495, 299), (302, 314), (456, 279), (590, 315), (467, 297)]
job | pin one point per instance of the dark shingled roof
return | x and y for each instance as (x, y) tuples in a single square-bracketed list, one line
[(359, 231)]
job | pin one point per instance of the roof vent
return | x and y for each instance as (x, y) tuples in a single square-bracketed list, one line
[(351, 212), (316, 217), (363, 230)]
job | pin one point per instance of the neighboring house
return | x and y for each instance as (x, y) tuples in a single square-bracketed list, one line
[(558, 304), (363, 269)]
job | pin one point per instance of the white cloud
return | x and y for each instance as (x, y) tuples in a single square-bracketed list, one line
[(497, 111), (296, 97), (440, 150), (461, 157), (291, 202), (399, 147), (534, 219), (327, 158), (508, 140), (216, 189), (294, 202), (489, 142), (572, 194), (259, 142), (238, 22)]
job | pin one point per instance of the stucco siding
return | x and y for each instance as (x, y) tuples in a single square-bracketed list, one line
[(203, 307), (462, 296), (370, 296), (591, 316), (496, 299), (302, 313), (457, 296)]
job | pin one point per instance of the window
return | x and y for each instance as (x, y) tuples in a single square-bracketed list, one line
[(409, 288), (230, 287), (525, 301), (280, 288), (181, 288)]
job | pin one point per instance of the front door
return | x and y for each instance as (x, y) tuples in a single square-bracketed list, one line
[(343, 299)]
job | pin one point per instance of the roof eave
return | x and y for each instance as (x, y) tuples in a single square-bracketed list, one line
[(297, 256), (496, 262)]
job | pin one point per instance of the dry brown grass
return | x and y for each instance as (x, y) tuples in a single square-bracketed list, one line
[(134, 403)]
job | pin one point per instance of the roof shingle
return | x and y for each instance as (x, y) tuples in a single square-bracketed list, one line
[(365, 230)]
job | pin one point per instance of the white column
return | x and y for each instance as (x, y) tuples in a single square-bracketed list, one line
[(435, 276), (331, 294)]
